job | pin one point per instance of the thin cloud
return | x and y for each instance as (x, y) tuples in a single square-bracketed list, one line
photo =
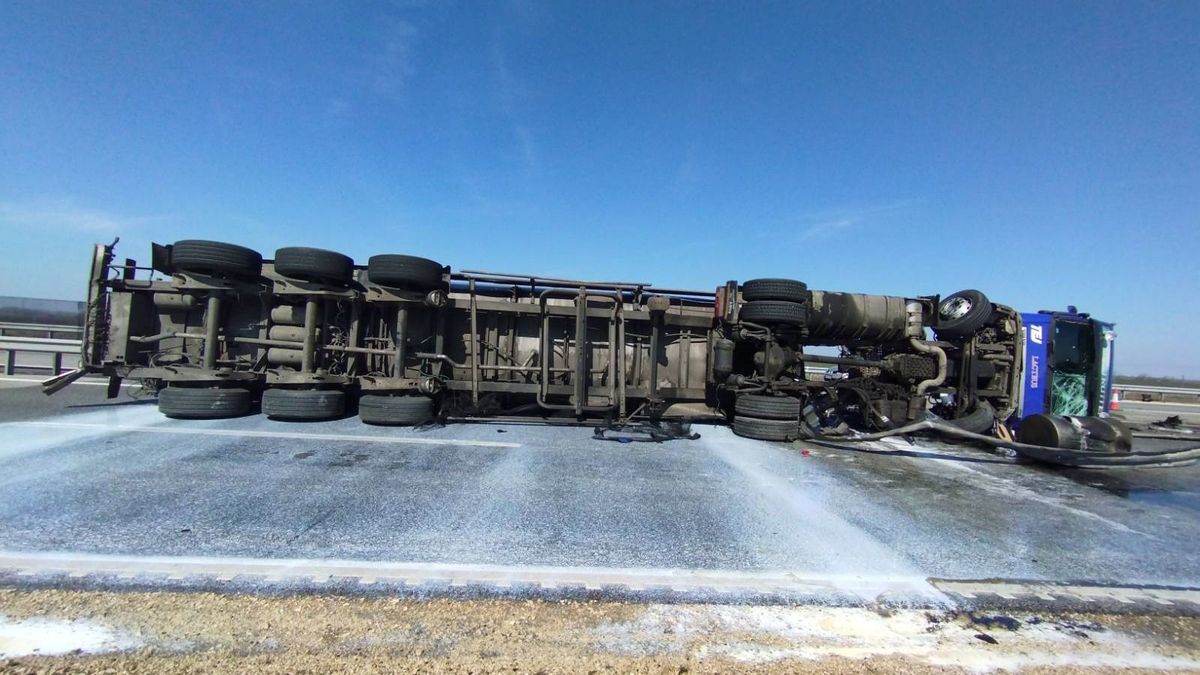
[(508, 93), (65, 216), (821, 224), (394, 64), (687, 173)]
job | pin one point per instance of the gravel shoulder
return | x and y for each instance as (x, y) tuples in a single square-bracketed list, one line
[(166, 632)]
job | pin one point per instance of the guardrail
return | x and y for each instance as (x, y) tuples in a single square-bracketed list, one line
[(1150, 392), (46, 329), (40, 350), (1158, 390)]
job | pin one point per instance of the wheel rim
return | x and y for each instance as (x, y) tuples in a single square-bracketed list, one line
[(955, 308)]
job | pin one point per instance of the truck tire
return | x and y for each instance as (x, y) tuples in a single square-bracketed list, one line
[(314, 264), (303, 404), (978, 421), (962, 313), (775, 289), (395, 410), (767, 407), (766, 430), (203, 403), (405, 271), (771, 312), (215, 257)]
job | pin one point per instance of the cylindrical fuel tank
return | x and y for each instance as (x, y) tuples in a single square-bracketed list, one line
[(278, 356), (1075, 433), (288, 333), (858, 316), (290, 315)]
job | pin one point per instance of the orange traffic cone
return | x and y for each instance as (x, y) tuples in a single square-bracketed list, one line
[(1115, 403)]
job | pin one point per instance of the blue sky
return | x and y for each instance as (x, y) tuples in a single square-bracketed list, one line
[(1045, 153)]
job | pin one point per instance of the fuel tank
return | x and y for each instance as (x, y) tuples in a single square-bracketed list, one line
[(838, 317)]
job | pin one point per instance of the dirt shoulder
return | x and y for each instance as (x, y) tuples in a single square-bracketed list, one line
[(165, 632)]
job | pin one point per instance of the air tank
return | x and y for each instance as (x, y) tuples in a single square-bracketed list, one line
[(288, 315), (722, 359)]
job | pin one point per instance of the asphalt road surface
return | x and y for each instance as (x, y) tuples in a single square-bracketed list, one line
[(1146, 412), (88, 485)]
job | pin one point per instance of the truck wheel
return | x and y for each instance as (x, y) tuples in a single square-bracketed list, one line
[(314, 264), (978, 421), (215, 257), (395, 410), (774, 312), (766, 430), (767, 407), (303, 404), (963, 313), (775, 289), (201, 403), (405, 271)]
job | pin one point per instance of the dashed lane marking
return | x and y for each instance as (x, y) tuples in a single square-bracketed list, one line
[(1124, 595)]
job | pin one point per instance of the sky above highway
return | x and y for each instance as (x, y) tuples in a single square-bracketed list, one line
[(1045, 153)]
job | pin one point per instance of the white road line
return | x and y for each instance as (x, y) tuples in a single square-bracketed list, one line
[(92, 383), (1120, 594), (247, 433), (867, 588)]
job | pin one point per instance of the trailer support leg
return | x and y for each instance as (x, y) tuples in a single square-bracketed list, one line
[(581, 353), (401, 339), (212, 321), (307, 356)]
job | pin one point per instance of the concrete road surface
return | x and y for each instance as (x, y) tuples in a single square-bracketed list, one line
[(114, 490)]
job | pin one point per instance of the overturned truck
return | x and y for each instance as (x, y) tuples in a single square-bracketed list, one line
[(217, 331)]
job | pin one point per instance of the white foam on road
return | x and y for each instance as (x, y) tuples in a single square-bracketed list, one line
[(20, 438), (773, 633), (252, 433), (819, 527), (47, 637)]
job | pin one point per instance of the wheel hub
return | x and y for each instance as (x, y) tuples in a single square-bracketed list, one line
[(955, 308)]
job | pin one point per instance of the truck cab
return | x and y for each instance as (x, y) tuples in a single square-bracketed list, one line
[(1068, 364)]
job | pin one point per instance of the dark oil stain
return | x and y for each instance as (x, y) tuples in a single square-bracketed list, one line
[(303, 455)]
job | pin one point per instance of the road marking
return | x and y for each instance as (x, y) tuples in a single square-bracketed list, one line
[(862, 587), (91, 383), (248, 433), (1012, 590)]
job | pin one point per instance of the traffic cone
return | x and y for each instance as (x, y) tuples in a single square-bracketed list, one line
[(1115, 404)]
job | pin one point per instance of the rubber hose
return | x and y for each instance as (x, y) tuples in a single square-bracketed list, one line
[(1060, 456)]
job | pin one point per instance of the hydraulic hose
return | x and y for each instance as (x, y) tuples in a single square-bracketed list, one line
[(1059, 456)]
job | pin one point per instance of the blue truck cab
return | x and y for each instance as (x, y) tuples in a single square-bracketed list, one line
[(1068, 364)]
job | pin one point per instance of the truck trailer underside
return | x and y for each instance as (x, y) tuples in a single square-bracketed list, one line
[(215, 329)]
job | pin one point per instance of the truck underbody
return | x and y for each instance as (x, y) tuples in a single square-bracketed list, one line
[(214, 328)]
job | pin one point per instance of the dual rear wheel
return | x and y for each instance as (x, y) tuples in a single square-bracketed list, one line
[(767, 418), (187, 402), (774, 302)]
